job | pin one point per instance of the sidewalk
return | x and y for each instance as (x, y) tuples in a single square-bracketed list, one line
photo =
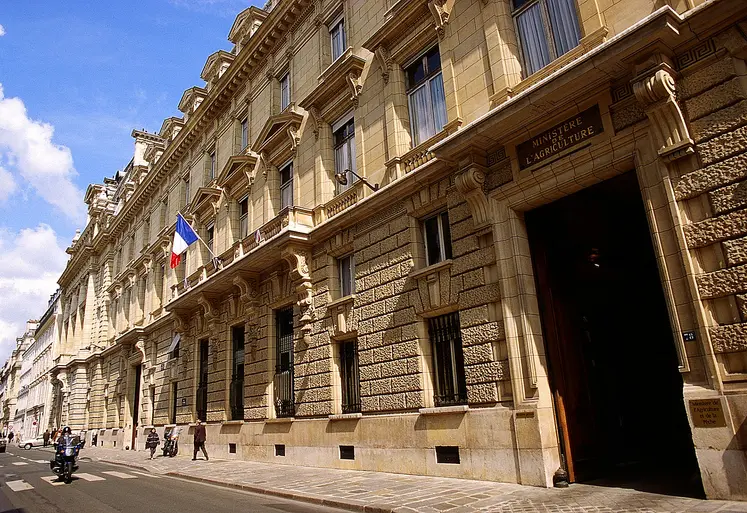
[(379, 492)]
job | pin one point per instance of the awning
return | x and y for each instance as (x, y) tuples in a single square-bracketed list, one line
[(174, 342)]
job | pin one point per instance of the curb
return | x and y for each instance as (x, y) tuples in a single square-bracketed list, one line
[(312, 499)]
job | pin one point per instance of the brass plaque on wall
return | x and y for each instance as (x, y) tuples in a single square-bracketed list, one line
[(707, 413), (561, 137)]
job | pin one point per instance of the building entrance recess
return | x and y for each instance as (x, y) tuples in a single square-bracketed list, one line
[(612, 362)]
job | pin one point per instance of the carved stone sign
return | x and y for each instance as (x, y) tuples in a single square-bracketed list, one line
[(561, 137), (707, 413)]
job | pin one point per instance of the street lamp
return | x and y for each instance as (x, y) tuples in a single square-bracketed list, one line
[(342, 179)]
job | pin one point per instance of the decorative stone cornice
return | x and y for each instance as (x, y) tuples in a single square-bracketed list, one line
[(343, 76), (655, 90)]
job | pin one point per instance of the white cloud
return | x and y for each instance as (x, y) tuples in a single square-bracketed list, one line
[(7, 184), (2, 30), (30, 263), (47, 166)]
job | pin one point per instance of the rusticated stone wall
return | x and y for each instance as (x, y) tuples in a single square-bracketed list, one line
[(714, 95)]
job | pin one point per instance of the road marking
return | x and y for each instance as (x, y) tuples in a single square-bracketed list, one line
[(121, 475), (53, 480), (20, 463), (152, 476), (23, 457), (40, 461), (90, 477), (19, 486)]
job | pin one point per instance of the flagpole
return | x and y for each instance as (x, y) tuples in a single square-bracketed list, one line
[(199, 238)]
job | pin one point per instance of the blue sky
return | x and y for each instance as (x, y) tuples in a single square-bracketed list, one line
[(86, 73)]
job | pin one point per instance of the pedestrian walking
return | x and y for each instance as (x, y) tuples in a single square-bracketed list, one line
[(45, 436), (10, 437), (95, 439), (200, 438), (152, 442)]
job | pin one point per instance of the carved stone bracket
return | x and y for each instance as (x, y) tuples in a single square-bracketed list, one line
[(249, 297), (297, 259), (267, 165), (317, 121), (180, 324), (211, 314), (385, 60), (655, 90), (295, 139), (441, 10), (354, 83), (470, 184)]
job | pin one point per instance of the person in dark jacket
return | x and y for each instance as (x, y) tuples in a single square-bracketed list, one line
[(152, 442), (10, 437), (45, 436), (200, 438)]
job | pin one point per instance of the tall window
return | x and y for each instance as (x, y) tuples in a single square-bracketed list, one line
[(146, 233), (344, 135), (202, 383), (160, 282), (351, 388), (236, 395), (437, 238), (547, 29), (174, 401), (283, 383), (285, 93), (244, 133), (211, 165), (187, 195), (448, 360), (286, 185), (164, 212), (210, 238), (337, 38), (346, 274), (244, 217), (425, 96)]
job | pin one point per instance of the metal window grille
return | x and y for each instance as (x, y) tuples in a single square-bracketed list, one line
[(448, 360), (202, 385), (283, 383), (236, 390), (351, 393)]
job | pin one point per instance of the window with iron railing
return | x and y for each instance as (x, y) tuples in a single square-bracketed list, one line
[(349, 378), (283, 382), (236, 391), (450, 387)]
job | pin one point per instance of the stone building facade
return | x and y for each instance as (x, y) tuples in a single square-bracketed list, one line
[(486, 239)]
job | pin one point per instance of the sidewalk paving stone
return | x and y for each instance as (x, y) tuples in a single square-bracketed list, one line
[(374, 492)]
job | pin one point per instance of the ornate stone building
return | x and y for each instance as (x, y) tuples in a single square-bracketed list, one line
[(492, 239)]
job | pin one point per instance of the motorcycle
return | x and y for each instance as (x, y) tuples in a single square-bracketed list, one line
[(65, 458), (171, 442)]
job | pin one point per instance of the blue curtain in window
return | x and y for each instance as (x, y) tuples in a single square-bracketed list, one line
[(564, 24), (533, 39)]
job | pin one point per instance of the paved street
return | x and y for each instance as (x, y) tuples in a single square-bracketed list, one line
[(27, 485), (383, 492)]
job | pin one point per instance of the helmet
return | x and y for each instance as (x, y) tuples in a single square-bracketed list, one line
[(66, 430)]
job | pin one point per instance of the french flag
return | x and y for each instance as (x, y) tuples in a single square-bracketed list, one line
[(183, 237)]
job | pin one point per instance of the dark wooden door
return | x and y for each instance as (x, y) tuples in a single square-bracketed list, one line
[(136, 405)]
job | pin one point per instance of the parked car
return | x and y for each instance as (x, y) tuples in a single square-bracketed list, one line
[(28, 443)]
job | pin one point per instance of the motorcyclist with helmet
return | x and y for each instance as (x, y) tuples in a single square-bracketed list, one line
[(67, 447)]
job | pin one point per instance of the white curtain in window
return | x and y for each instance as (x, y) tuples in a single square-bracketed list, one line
[(420, 115), (286, 195), (338, 40), (533, 39), (439, 102), (564, 24)]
